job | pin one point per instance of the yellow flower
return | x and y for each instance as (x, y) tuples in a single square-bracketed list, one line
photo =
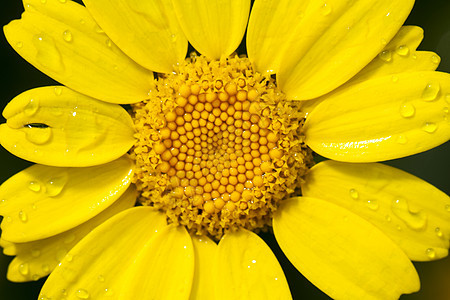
[(161, 201)]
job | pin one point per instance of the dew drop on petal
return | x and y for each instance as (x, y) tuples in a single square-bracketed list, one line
[(394, 78), (82, 294), (55, 185), (401, 139), (67, 36), (35, 277), (34, 186), (108, 43), (58, 90), (402, 50), (39, 136), (173, 38), (24, 269), (407, 110), (35, 252), (385, 55), (19, 45), (108, 292), (354, 194), (431, 91), (429, 127), (101, 278), (447, 208), (372, 204), (388, 218), (23, 216), (447, 98), (69, 257), (63, 1), (431, 253), (438, 232), (2, 202), (69, 238), (31, 108), (435, 59), (43, 1), (414, 220), (43, 297), (45, 268), (326, 9)]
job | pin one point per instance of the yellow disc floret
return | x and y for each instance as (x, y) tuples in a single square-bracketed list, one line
[(218, 146)]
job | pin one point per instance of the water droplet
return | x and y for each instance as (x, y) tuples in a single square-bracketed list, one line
[(82, 294), (82, 21), (35, 277), (101, 278), (385, 55), (98, 29), (388, 218), (64, 292), (435, 59), (447, 98), (402, 50), (414, 220), (60, 254), (354, 194), (431, 91), (43, 297), (69, 238), (407, 110), (108, 43), (39, 136), (438, 232), (372, 204), (24, 269), (48, 54), (58, 90), (399, 228), (69, 257), (326, 9), (402, 140), (35, 252), (55, 185), (429, 127), (31, 108), (431, 253), (447, 207), (173, 38), (43, 1), (2, 202), (108, 292), (63, 1), (383, 42), (19, 45), (23, 216), (45, 268), (394, 78), (34, 186), (67, 36), (8, 219)]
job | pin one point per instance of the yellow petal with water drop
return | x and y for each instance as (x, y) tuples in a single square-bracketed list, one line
[(147, 31), (399, 56), (171, 256), (205, 251), (269, 30), (340, 253), (60, 127), (329, 37), (64, 42), (246, 268), (380, 119), (42, 256), (392, 200), (67, 198), (99, 259), (214, 28)]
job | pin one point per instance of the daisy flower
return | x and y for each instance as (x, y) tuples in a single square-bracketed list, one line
[(156, 166)]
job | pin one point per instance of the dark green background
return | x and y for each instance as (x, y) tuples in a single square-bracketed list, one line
[(432, 166)]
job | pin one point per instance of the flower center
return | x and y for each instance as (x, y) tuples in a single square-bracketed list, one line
[(218, 146)]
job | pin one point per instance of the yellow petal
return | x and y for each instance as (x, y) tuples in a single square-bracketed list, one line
[(97, 263), (341, 253), (390, 199), (269, 28), (37, 259), (202, 284), (57, 126), (163, 269), (400, 56), (43, 201), (246, 268), (334, 40), (382, 119), (147, 31), (61, 39), (214, 28)]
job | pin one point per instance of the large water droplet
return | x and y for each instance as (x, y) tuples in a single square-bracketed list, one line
[(31, 108), (354, 194), (48, 54), (401, 139), (55, 185), (414, 220), (429, 127), (82, 294), (385, 55), (34, 186), (39, 136), (407, 110), (23, 216), (67, 36), (24, 269), (326, 9), (372, 204), (402, 50), (431, 253), (431, 91)]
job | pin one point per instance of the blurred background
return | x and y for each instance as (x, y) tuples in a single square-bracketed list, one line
[(433, 166)]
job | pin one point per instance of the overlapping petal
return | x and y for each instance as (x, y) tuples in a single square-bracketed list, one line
[(246, 268), (202, 284), (37, 259), (61, 39), (95, 266), (214, 28), (147, 31), (43, 201), (60, 127), (382, 118), (410, 211), (333, 41), (342, 254)]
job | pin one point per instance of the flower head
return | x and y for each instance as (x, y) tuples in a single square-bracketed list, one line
[(163, 197)]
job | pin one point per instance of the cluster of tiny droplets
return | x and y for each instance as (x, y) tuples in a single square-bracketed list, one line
[(218, 146)]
